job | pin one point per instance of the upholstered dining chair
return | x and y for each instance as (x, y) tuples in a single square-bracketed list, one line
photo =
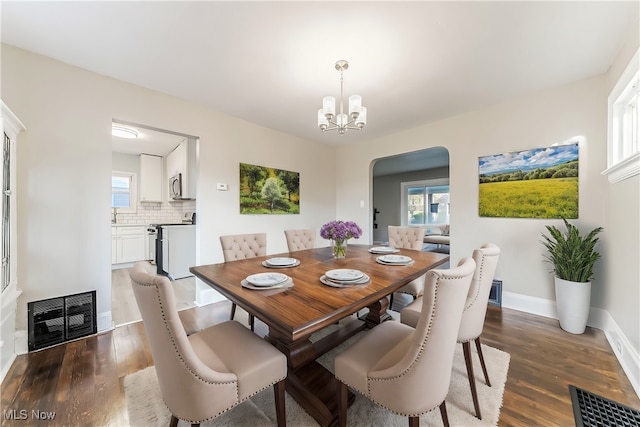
[(475, 310), (408, 370), (407, 238), (298, 240), (202, 375), (243, 246)]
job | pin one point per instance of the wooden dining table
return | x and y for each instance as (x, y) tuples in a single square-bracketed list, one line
[(293, 314)]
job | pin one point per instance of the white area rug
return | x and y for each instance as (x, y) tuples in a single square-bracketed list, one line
[(146, 408)]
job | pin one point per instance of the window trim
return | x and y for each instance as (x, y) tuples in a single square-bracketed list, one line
[(133, 190), (620, 167)]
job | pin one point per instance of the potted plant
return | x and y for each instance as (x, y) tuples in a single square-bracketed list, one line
[(572, 256)]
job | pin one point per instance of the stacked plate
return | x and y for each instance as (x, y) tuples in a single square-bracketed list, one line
[(383, 250), (343, 277), (394, 260), (267, 281), (281, 262)]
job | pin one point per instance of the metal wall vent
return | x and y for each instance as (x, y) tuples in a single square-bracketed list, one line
[(57, 320)]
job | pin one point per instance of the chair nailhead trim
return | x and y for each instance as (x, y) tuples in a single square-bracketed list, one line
[(420, 353), (175, 348)]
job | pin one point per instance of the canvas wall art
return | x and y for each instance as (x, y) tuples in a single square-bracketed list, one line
[(537, 183), (265, 190)]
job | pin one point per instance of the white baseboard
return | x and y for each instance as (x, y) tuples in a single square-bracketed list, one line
[(208, 296), (22, 341), (104, 321), (528, 304), (598, 318), (624, 351), (7, 366), (205, 294)]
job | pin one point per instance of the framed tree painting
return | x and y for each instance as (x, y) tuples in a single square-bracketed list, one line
[(537, 183), (265, 190)]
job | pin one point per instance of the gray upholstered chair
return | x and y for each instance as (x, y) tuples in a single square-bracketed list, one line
[(201, 375), (298, 240), (407, 370), (243, 246), (475, 310), (407, 238)]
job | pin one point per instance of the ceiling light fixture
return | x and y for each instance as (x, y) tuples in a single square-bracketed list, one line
[(357, 117), (123, 132)]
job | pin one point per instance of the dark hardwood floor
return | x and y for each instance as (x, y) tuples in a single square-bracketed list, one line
[(82, 381)]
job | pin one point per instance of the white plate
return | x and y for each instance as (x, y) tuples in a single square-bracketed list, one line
[(394, 259), (284, 285), (344, 274), (281, 262), (266, 279), (295, 264), (338, 284), (383, 250)]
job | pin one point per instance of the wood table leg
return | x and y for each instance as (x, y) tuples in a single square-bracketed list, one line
[(314, 388), (312, 385), (378, 313)]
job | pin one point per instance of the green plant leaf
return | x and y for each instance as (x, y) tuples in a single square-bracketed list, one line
[(571, 254)]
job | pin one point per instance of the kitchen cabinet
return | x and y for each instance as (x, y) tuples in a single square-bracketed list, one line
[(150, 178), (182, 161), (128, 244)]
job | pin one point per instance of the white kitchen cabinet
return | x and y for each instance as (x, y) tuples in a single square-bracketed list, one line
[(182, 161), (128, 244), (150, 178), (177, 160)]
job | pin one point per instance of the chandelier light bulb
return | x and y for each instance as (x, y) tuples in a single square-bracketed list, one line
[(357, 114)]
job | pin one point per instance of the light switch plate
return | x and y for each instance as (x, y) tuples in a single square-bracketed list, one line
[(221, 187)]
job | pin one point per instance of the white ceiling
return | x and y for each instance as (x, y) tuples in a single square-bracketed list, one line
[(272, 62), (149, 140)]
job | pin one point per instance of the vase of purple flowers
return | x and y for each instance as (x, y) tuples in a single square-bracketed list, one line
[(339, 232)]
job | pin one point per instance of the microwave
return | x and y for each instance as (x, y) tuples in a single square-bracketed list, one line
[(175, 187)]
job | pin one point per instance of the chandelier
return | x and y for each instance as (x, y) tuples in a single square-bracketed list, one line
[(327, 118)]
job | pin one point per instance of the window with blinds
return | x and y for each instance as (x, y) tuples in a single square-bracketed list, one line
[(123, 191)]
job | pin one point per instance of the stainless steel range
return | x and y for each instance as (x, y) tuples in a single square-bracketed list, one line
[(173, 246)]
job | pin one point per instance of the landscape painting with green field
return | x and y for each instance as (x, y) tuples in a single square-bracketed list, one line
[(268, 190), (538, 183)]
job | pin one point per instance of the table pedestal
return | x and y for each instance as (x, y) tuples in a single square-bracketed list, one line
[(312, 385)]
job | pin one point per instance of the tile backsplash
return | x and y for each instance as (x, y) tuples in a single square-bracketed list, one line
[(157, 213)]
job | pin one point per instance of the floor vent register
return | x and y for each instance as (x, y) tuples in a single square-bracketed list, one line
[(591, 410), (57, 320)]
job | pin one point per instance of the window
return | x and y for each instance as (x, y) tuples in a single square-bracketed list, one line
[(425, 202), (623, 160), (123, 191)]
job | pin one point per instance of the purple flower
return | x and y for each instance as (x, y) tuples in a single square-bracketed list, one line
[(340, 230)]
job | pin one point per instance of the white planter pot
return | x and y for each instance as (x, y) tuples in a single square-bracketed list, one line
[(573, 302)]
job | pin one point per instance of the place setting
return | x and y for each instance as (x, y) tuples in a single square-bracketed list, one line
[(281, 262), (344, 277), (383, 250), (394, 260), (267, 281)]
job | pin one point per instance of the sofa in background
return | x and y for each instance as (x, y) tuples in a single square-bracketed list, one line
[(437, 234)]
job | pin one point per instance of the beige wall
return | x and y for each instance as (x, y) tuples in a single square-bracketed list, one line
[(621, 294), (64, 161), (537, 120), (64, 166)]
